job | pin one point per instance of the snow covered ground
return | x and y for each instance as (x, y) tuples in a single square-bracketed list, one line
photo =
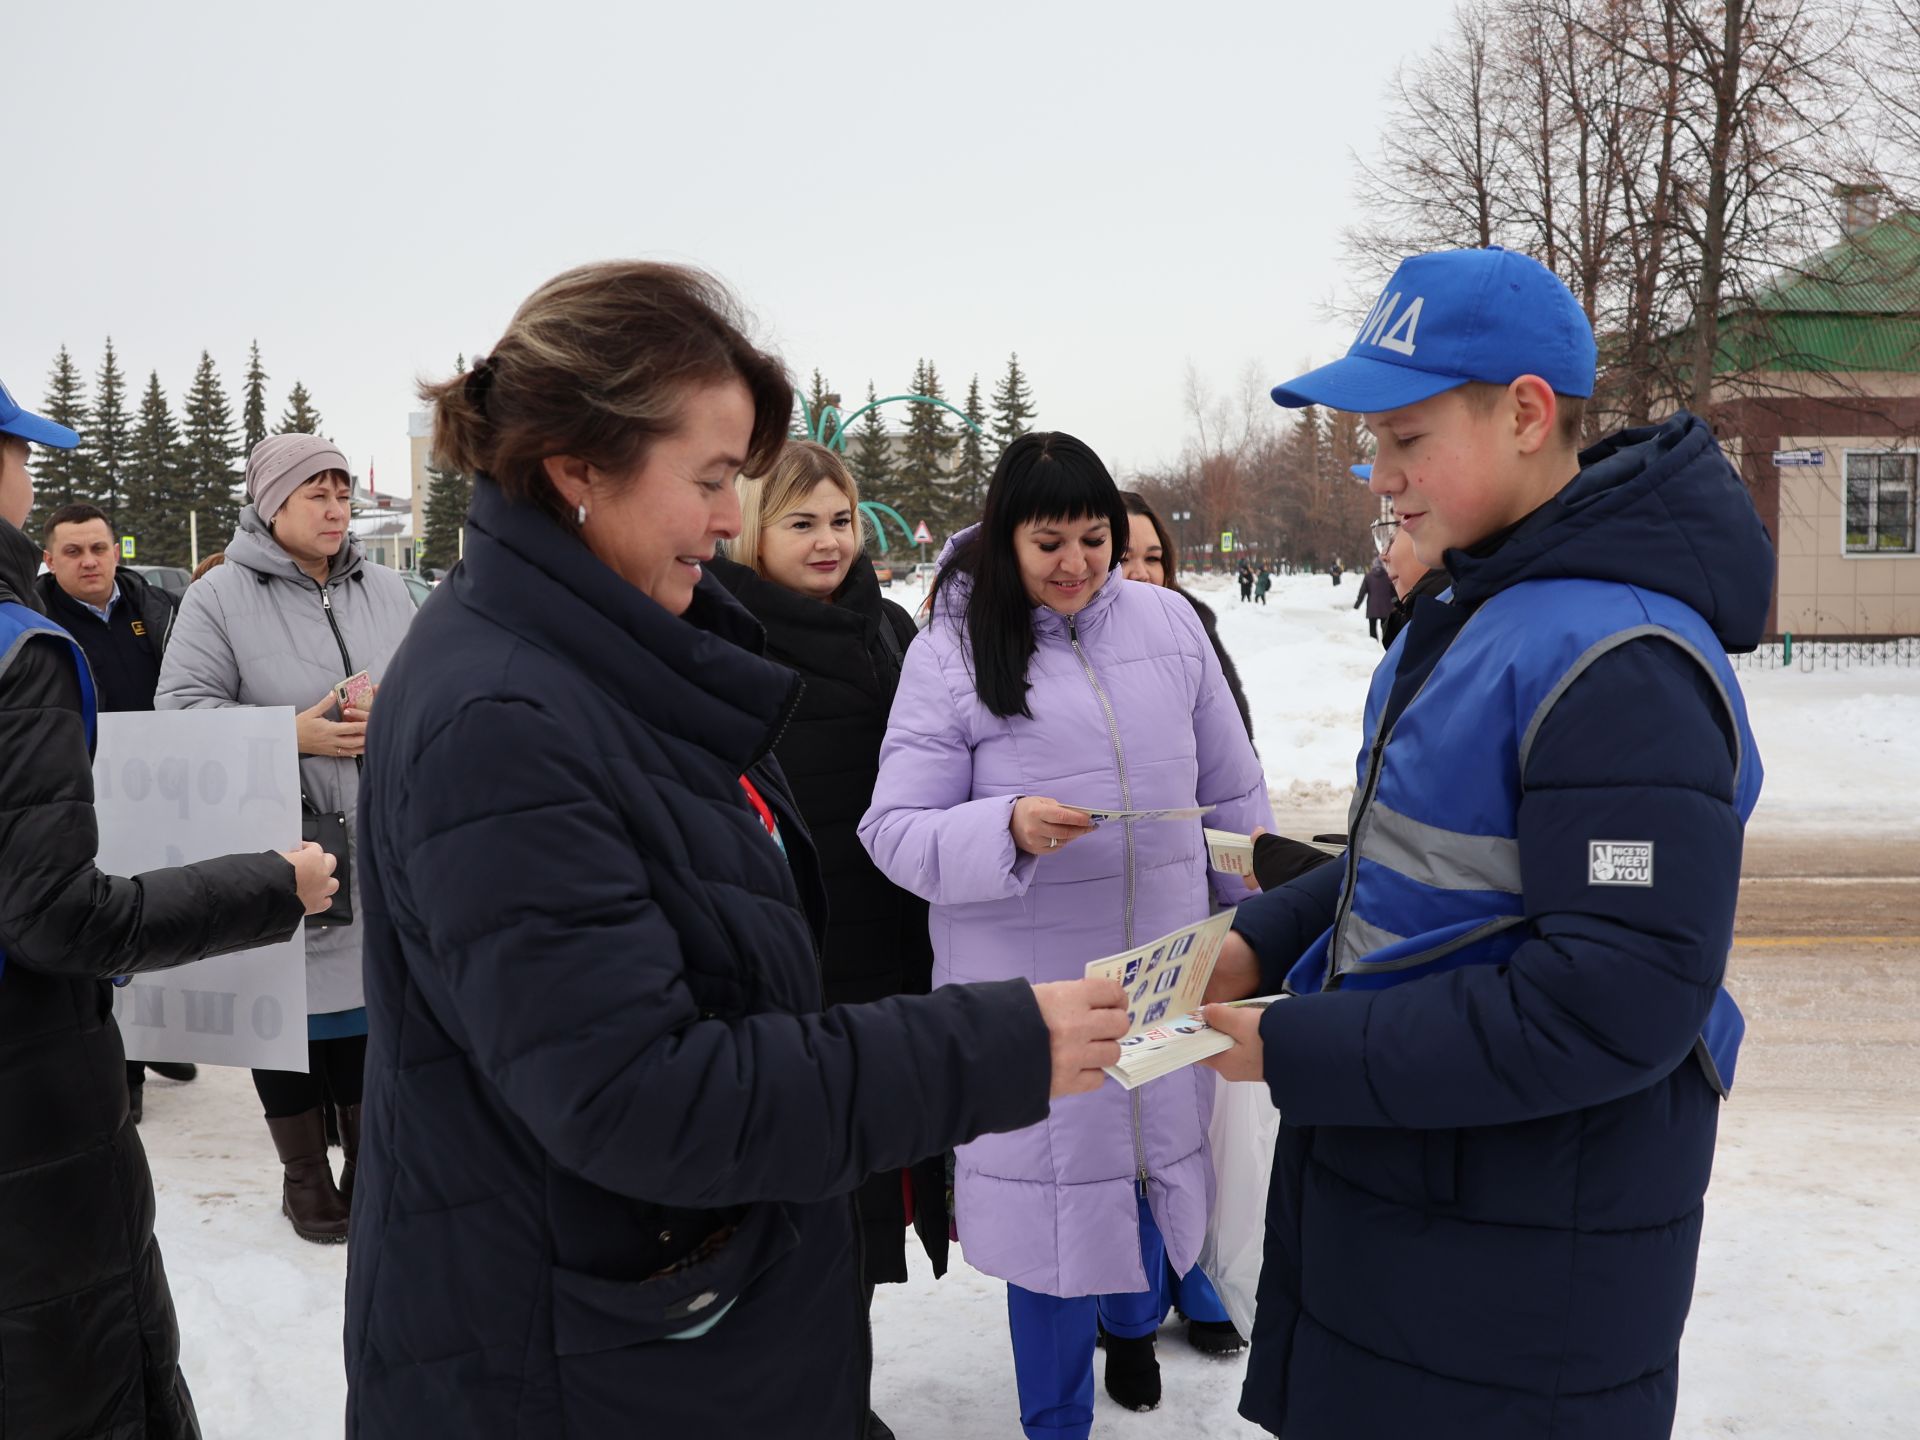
[(1806, 1319)]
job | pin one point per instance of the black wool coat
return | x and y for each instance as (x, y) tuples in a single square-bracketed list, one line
[(848, 653), (88, 1341), (603, 1106)]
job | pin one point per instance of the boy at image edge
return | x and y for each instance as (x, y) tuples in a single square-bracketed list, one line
[(1505, 1044)]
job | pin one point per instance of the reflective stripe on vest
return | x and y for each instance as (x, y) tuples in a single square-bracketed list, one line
[(1434, 875), (18, 625)]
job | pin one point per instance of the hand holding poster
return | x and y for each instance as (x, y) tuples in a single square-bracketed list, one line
[(173, 787)]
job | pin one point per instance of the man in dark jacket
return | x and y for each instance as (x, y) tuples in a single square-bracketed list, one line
[(1500, 1063), (88, 1341), (121, 623)]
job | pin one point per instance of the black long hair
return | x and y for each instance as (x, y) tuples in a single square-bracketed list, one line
[(1048, 475)]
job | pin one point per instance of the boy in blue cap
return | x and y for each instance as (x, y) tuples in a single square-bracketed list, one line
[(1504, 1045)]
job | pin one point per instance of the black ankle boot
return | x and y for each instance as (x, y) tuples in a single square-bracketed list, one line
[(1133, 1373), (1215, 1339)]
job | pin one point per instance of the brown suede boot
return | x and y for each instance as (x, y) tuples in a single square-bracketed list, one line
[(350, 1145), (307, 1195)]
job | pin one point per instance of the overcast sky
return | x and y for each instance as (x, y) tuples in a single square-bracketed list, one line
[(1113, 190)]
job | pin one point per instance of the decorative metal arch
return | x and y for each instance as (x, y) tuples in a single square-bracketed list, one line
[(874, 510), (829, 428), (815, 427)]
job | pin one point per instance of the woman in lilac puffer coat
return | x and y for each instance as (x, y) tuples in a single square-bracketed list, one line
[(1046, 684)]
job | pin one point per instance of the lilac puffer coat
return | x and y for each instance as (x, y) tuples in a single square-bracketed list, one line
[(1130, 712)]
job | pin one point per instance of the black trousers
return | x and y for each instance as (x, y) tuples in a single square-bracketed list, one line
[(335, 1071), (1373, 627)]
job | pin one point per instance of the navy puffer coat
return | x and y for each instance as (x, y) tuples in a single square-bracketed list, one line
[(1487, 1191), (603, 1109)]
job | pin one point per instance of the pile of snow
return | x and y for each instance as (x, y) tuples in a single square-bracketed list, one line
[(1841, 747)]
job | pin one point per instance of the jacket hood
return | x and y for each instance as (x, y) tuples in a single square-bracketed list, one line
[(253, 546), (1660, 507), (952, 604)]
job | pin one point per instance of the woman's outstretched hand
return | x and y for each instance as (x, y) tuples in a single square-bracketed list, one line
[(1085, 1020)]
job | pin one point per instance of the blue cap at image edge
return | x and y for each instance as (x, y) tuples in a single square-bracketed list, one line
[(29, 426), (1452, 318)]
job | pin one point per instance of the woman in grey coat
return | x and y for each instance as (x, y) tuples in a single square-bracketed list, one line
[(296, 609)]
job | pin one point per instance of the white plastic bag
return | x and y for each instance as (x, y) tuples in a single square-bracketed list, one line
[(1242, 1134)]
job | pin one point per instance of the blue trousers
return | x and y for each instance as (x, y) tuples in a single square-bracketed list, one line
[(1053, 1338)]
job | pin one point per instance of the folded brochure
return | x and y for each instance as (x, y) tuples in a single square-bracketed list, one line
[(1166, 981), (1101, 817)]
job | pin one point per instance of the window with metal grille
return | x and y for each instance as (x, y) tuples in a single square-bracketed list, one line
[(1880, 496)]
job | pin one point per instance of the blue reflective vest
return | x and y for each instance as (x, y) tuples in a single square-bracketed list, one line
[(18, 625), (1433, 872)]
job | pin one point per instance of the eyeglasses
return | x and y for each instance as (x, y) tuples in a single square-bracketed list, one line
[(1383, 532)]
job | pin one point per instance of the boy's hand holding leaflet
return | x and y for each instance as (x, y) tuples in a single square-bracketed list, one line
[(1165, 982)]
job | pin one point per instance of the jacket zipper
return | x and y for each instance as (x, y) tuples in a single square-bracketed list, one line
[(1375, 764), (1126, 803), (326, 604)]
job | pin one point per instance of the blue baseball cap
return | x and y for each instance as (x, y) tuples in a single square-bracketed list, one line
[(1451, 318), (29, 426)]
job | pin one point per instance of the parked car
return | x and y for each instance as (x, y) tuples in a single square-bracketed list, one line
[(418, 586), (171, 578), (883, 570), (924, 572)]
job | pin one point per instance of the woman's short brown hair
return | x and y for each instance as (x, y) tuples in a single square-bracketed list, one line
[(764, 499), (595, 364)]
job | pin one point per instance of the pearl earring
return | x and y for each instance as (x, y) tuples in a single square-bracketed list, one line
[(580, 513)]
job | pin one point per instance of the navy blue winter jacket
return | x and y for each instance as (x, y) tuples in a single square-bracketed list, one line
[(603, 1107), (1487, 1191)]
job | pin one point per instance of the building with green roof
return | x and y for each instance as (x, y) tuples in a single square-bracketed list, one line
[(1817, 399)]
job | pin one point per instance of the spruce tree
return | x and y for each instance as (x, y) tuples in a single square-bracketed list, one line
[(209, 476), (300, 417), (1012, 405), (820, 395), (61, 477), (971, 474), (872, 462), (926, 456), (253, 412), (448, 493), (108, 439), (150, 506)]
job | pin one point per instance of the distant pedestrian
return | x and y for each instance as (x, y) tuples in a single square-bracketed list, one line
[(1335, 571), (1262, 585), (1246, 581), (1376, 592)]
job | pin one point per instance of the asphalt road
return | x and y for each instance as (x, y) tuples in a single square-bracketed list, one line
[(1825, 965)]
